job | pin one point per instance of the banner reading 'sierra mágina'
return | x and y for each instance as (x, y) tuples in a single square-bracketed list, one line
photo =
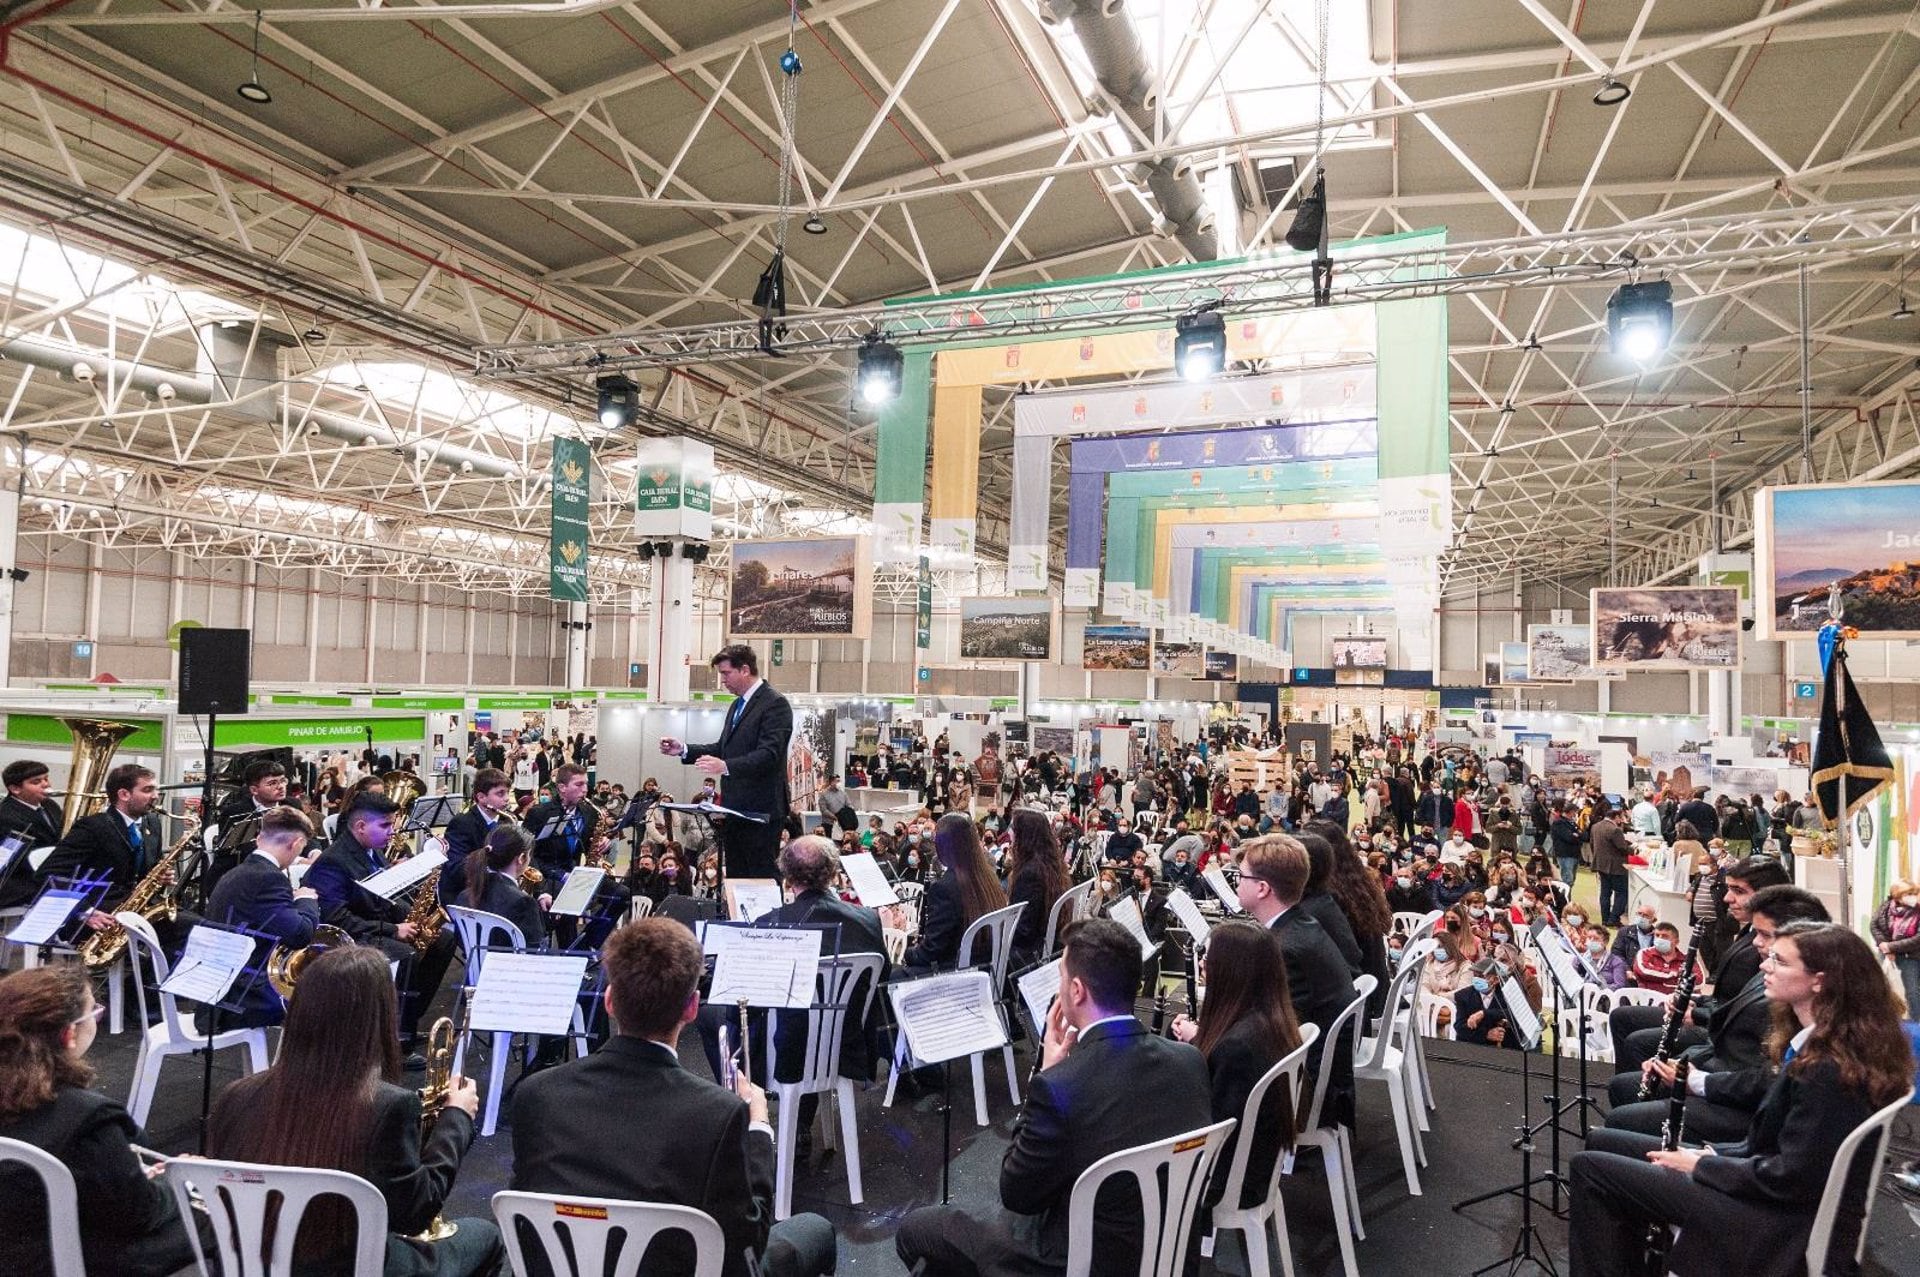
[(567, 561)]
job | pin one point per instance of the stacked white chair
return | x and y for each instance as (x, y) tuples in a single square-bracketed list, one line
[(1335, 1142), (1390, 1057)]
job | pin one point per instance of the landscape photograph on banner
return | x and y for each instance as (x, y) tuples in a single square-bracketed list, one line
[(817, 587), (1178, 660), (1863, 539), (1490, 669), (1513, 667), (1117, 647), (1221, 667), (1677, 627), (1562, 653), (1006, 629), (1360, 652)]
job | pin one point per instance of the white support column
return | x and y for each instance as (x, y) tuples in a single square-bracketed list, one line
[(1603, 695), (9, 588), (1720, 702), (669, 669), (637, 617), (313, 620), (373, 624), (577, 646)]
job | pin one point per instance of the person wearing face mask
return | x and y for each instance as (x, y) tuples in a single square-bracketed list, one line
[(706, 881), (673, 876), (1479, 1013), (1612, 969), (1480, 917), (1658, 966), (1632, 939), (1452, 887), (1433, 810), (1896, 934), (1409, 893)]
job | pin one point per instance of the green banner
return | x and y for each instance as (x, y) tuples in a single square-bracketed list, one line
[(900, 470), (229, 733), (45, 729), (923, 607), (420, 702), (567, 575), (515, 702), (623, 696), (334, 701)]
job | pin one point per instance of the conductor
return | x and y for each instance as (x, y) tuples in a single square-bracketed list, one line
[(750, 758)]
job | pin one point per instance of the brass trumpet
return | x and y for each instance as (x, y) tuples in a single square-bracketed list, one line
[(433, 1098)]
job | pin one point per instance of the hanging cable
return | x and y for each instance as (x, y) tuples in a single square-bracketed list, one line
[(770, 294)]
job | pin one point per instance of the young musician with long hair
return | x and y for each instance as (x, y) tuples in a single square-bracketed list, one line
[(128, 1222), (1748, 1207), (963, 894), (332, 1099), (491, 882), (1246, 1026), (1036, 877)]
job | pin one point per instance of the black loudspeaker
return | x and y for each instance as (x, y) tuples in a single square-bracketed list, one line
[(215, 670)]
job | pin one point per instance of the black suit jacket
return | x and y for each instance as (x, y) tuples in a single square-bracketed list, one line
[(256, 894), (860, 932), (1321, 987), (1333, 920), (1235, 1066), (551, 855), (98, 844), (41, 825), (1085, 1107), (568, 1139), (464, 832), (943, 920), (755, 751), (1030, 931), (510, 902), (360, 914), (1737, 1030), (1738, 965)]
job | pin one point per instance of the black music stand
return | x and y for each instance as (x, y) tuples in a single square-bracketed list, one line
[(86, 893), (13, 854), (707, 811), (1529, 1247), (232, 1001)]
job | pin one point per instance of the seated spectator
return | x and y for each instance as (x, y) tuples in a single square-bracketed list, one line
[(1611, 966), (1660, 964), (1450, 968), (1479, 1013), (1478, 917), (1408, 893), (1451, 888)]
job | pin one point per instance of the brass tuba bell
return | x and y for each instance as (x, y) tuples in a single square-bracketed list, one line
[(285, 964), (94, 743), (403, 789)]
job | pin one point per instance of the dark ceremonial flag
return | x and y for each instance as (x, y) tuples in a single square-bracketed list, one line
[(1848, 753)]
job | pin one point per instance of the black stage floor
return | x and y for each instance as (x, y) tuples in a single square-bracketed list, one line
[(1468, 1152)]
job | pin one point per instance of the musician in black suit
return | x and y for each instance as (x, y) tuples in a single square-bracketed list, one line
[(1273, 878), (1636, 1030), (490, 882), (1106, 1084), (1730, 1073), (492, 795), (266, 788), (26, 810), (751, 759), (124, 843), (358, 852), (718, 1157), (257, 895), (564, 831), (1748, 1207)]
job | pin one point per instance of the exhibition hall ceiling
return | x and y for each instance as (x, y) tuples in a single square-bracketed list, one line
[(429, 179)]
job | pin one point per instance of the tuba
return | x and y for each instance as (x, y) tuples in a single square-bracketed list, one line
[(94, 741), (403, 788), (285, 964)]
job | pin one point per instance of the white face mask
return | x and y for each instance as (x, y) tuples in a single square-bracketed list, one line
[(1477, 911)]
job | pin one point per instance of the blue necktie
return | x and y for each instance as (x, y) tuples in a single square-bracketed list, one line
[(139, 846), (1788, 1057), (733, 715), (573, 834)]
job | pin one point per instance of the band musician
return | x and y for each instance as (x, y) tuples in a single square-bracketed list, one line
[(357, 852), (256, 894), (27, 811), (750, 760), (124, 844), (266, 789), (564, 831), (466, 832)]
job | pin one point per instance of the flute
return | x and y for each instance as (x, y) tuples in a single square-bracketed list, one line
[(1670, 1027)]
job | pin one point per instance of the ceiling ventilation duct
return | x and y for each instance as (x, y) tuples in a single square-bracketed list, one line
[(1112, 45)]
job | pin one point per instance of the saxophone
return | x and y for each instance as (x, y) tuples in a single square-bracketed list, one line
[(426, 915), (152, 897)]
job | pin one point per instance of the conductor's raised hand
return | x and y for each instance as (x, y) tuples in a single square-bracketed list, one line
[(668, 745)]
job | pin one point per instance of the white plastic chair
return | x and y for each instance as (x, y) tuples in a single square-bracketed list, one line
[(1405, 921), (169, 1036), (480, 930), (910, 894), (1334, 1142), (640, 907), (832, 1014), (1431, 1024), (63, 1204), (1878, 1129), (1253, 1222), (1633, 997), (1588, 1016), (238, 1196), (574, 1233), (999, 927), (1167, 1218), (1071, 905), (1389, 1058)]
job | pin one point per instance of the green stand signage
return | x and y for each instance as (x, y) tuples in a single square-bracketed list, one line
[(567, 574)]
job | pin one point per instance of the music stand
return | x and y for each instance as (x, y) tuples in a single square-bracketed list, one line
[(428, 814), (191, 975), (13, 854), (934, 1040), (1519, 1013), (707, 811), (81, 894)]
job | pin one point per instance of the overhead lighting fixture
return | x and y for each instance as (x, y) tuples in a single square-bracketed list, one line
[(1904, 312), (1738, 437), (1309, 230), (879, 373), (1640, 319), (1612, 93), (770, 299), (813, 225), (1200, 343), (253, 91), (619, 400)]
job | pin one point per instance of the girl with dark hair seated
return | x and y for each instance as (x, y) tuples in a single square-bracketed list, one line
[(493, 872)]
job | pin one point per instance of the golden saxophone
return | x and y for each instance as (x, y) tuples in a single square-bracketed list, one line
[(152, 897), (426, 915), (284, 963)]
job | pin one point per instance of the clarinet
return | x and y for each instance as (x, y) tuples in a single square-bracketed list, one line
[(1160, 1028), (1670, 1027), (1675, 1125)]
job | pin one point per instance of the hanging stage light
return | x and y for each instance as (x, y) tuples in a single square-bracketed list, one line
[(619, 400), (878, 376), (1640, 319), (770, 299), (1200, 343), (253, 91), (1611, 93), (1309, 230)]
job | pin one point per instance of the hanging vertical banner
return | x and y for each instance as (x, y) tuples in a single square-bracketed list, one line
[(567, 562), (900, 471), (673, 489), (953, 514), (923, 607)]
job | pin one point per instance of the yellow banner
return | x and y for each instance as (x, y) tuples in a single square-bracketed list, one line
[(1165, 521), (953, 508)]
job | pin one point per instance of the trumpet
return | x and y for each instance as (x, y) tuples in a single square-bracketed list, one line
[(433, 1099)]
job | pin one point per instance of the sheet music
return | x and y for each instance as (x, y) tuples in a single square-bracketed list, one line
[(1520, 1012), (749, 899), (1038, 988), (1188, 912), (869, 884), (578, 893), (528, 992), (210, 963), (1228, 896), (11, 848), (707, 808), (768, 966), (946, 1017), (389, 883), (1126, 912), (1560, 963), (49, 913)]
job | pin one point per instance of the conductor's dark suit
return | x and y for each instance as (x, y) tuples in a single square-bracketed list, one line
[(257, 895), (41, 828), (753, 743), (567, 1139), (1746, 1210), (1321, 987), (1090, 1104)]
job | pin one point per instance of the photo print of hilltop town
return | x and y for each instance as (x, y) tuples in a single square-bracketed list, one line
[(1667, 627), (789, 589), (1006, 629), (1863, 538), (1117, 647)]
